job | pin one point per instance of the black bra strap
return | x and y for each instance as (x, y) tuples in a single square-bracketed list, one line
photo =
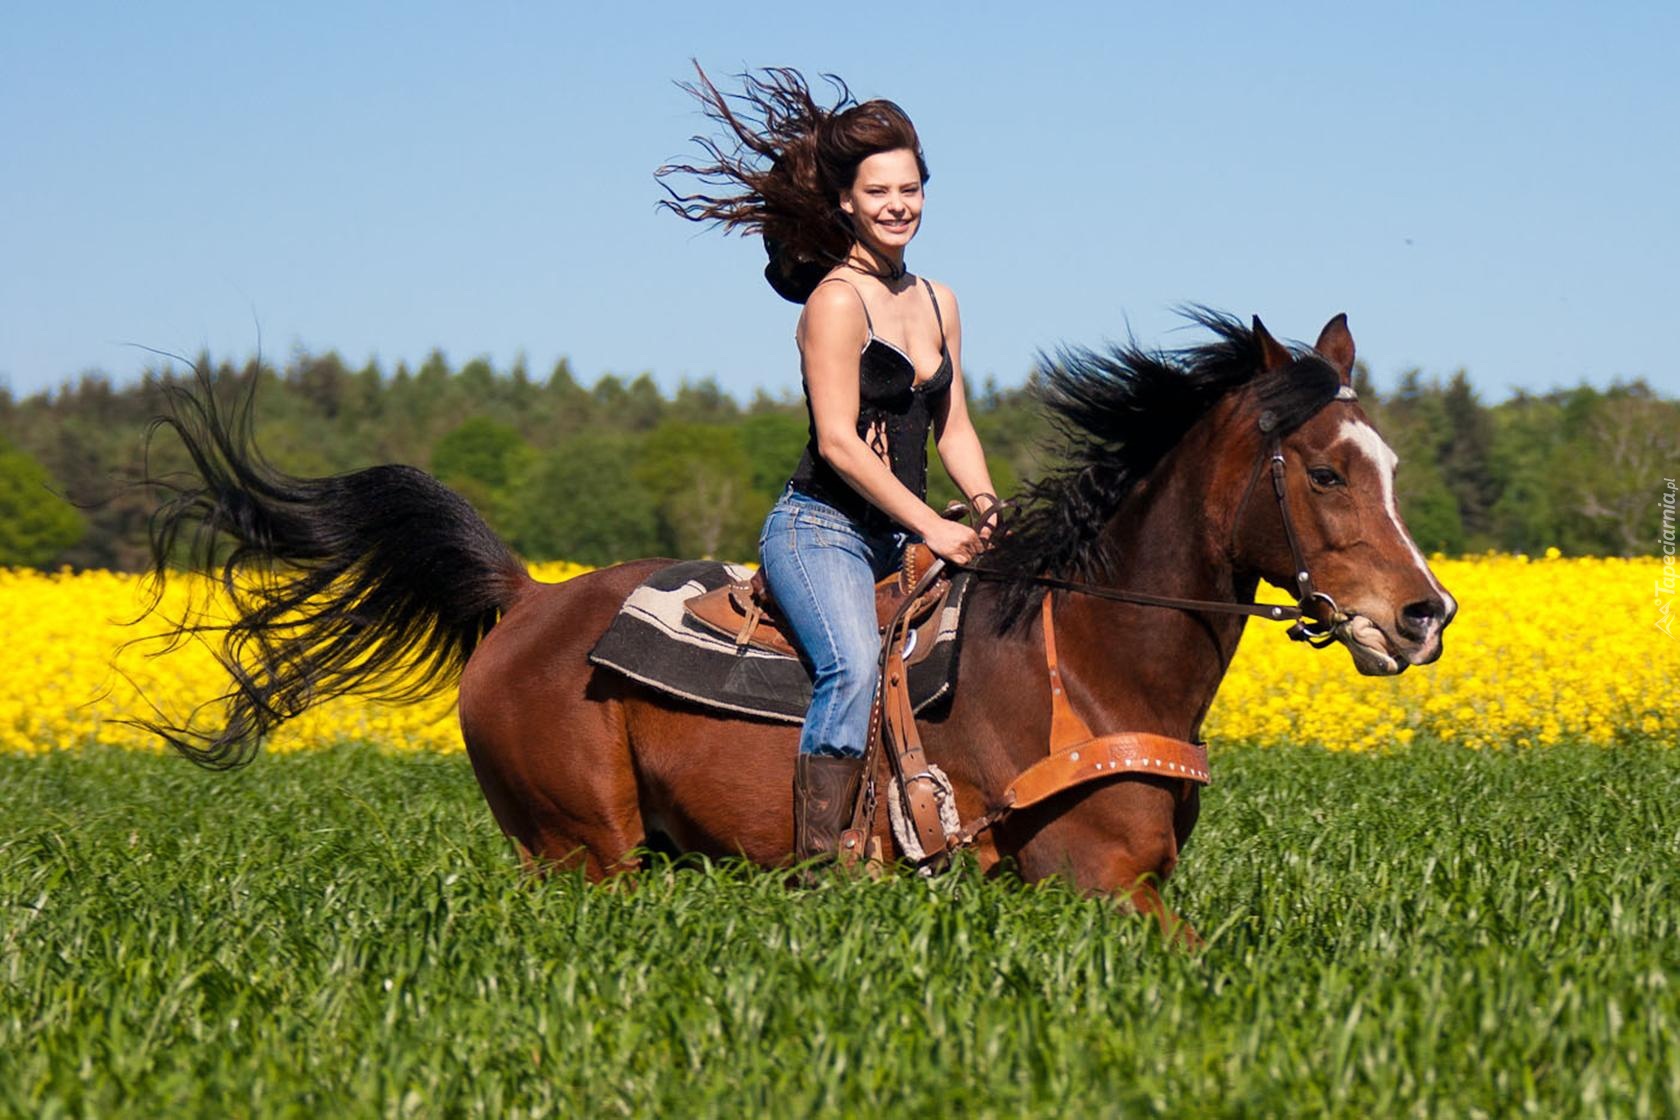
[(937, 318), (868, 322)]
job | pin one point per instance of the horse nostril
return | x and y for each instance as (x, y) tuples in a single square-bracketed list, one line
[(1419, 619)]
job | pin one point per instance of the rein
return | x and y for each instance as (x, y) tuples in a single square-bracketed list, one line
[(1076, 756), (1315, 614)]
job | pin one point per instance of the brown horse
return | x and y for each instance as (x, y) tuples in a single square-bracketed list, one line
[(383, 575)]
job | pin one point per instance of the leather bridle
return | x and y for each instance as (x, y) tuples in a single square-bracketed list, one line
[(1315, 614), (1076, 755)]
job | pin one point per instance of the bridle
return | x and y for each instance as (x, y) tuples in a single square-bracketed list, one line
[(1315, 615), (1319, 615), (1076, 754)]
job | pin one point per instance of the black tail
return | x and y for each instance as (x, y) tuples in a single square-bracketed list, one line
[(379, 582)]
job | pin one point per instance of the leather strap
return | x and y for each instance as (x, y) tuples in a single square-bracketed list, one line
[(1314, 613), (1066, 728), (854, 841), (915, 787), (1303, 578), (898, 726), (749, 623), (1106, 756), (1275, 612), (1077, 756)]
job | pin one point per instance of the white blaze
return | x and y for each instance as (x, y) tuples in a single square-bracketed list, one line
[(1366, 440)]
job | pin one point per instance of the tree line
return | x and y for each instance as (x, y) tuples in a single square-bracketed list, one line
[(618, 469)]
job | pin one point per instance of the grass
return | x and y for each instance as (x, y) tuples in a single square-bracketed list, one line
[(1434, 932)]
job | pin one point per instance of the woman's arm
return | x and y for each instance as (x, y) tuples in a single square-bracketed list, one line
[(832, 334), (953, 431)]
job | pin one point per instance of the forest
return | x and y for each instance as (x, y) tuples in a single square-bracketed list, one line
[(617, 469)]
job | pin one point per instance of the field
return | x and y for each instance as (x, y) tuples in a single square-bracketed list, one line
[(1451, 893), (1436, 931), (1544, 650)]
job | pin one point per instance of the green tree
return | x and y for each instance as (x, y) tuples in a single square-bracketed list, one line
[(483, 451), (367, 390), (1571, 468), (773, 442), (703, 402), (568, 406), (1527, 443), (701, 479), (581, 502), (35, 524), (636, 407), (1629, 444), (321, 381), (1465, 453), (1430, 509), (483, 460)]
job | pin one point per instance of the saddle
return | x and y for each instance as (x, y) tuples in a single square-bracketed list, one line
[(921, 798), (908, 606), (746, 611)]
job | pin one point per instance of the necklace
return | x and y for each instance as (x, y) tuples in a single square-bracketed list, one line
[(892, 275)]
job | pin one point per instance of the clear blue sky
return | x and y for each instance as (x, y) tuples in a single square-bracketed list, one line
[(1483, 186)]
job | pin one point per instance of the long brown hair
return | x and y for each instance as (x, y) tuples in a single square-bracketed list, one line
[(788, 158)]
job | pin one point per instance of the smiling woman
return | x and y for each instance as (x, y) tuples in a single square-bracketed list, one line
[(837, 194)]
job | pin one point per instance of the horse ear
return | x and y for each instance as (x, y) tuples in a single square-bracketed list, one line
[(1273, 354), (1335, 345)]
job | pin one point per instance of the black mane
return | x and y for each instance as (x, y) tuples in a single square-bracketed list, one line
[(1117, 414)]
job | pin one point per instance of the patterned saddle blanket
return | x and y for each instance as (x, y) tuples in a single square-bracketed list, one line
[(656, 641)]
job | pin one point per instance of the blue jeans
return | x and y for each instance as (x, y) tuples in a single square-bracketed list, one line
[(822, 567)]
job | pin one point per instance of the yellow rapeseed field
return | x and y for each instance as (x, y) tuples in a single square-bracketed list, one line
[(1543, 650)]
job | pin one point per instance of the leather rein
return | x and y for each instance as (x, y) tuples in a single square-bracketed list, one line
[(1076, 755), (1315, 614)]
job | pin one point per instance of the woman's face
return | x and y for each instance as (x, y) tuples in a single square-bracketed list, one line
[(885, 202)]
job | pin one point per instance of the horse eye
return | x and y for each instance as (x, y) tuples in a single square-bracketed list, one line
[(1324, 476)]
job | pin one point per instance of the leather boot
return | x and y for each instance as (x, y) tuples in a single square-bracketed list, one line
[(825, 791)]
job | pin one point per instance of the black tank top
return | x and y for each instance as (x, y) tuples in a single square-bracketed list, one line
[(894, 417)]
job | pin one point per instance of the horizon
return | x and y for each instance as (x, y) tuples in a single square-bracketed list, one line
[(743, 397)]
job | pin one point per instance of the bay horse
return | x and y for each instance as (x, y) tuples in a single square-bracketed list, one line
[(382, 582)]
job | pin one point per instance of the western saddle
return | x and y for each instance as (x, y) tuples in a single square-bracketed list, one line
[(908, 606), (746, 611)]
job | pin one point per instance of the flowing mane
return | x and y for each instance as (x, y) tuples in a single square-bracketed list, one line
[(1116, 414)]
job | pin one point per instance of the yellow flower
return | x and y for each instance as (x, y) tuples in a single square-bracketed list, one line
[(1540, 653)]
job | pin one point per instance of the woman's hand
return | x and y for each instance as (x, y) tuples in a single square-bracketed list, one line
[(953, 541)]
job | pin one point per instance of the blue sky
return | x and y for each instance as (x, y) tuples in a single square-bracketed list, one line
[(1489, 187)]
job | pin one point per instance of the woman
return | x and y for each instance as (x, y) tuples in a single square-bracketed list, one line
[(837, 194)]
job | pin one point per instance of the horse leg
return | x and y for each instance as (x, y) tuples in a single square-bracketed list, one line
[(1121, 838), (564, 792), (547, 736)]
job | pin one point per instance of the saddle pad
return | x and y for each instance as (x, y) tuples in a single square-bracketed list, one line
[(652, 640)]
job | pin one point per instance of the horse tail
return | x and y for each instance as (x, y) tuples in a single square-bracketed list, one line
[(378, 582)]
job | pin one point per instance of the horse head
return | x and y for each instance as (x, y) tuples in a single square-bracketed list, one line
[(1324, 475)]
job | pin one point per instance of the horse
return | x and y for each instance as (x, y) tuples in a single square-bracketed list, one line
[(384, 583)]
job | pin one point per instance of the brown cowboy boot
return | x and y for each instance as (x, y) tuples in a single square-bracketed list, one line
[(825, 791)]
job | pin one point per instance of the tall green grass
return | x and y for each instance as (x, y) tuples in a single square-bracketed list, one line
[(1436, 932)]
